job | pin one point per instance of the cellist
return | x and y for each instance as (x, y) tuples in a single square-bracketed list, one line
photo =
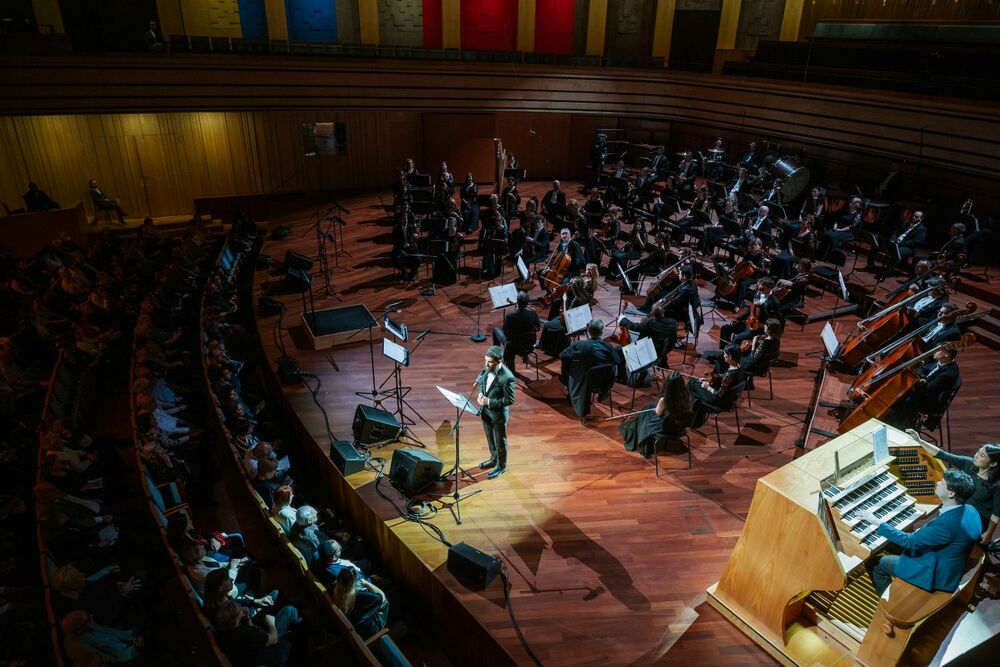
[(566, 246), (675, 305), (938, 378)]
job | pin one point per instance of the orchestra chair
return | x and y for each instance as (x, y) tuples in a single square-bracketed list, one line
[(683, 437), (601, 379), (933, 420), (905, 607), (727, 403), (761, 369)]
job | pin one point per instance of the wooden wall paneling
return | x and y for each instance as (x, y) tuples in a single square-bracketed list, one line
[(13, 173), (543, 153), (583, 131), (402, 139), (465, 141), (630, 25)]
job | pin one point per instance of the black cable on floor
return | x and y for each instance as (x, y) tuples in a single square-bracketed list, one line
[(513, 619)]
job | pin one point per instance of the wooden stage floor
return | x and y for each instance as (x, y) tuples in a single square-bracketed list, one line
[(608, 564)]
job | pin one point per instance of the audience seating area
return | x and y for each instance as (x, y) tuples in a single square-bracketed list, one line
[(927, 68)]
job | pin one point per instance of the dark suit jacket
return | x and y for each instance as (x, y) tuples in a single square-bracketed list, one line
[(659, 163), (576, 360), (770, 308), (548, 206), (914, 237), (934, 556), (944, 334), (687, 294), (663, 332), (939, 382), (576, 252), (930, 311), (521, 327), (500, 393)]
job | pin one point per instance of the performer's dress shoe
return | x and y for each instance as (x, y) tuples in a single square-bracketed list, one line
[(489, 463), (496, 472)]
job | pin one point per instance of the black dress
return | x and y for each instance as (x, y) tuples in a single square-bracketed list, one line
[(642, 433)]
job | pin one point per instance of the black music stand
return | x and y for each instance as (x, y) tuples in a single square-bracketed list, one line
[(462, 405), (400, 357), (432, 248)]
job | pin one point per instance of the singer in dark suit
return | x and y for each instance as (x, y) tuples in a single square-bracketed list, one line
[(495, 395)]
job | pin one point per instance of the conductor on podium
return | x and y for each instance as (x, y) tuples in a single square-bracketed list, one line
[(495, 395)]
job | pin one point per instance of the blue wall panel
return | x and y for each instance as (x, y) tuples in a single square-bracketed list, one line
[(253, 20), (311, 20)]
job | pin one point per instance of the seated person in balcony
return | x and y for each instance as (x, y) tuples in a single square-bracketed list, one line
[(281, 508), (104, 203), (933, 556), (306, 535), (249, 644), (88, 643), (331, 562), (35, 199), (362, 602), (154, 40)]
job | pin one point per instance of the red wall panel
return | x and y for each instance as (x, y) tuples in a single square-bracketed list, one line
[(433, 30), (554, 26), (488, 25)]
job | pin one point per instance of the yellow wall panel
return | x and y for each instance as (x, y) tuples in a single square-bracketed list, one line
[(169, 12), (791, 20), (597, 21), (214, 18), (47, 12), (728, 24), (451, 20), (368, 21), (277, 23), (664, 27), (526, 25)]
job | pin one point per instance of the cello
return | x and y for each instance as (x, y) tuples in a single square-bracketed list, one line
[(876, 329), (555, 270), (894, 382), (668, 276)]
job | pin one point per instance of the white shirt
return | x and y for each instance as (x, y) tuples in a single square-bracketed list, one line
[(489, 380), (930, 334), (923, 303)]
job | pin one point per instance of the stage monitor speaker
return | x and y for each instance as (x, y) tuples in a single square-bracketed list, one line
[(268, 307), (297, 279), (280, 232), (346, 457), (297, 260), (372, 425), (472, 566), (413, 469), (288, 371)]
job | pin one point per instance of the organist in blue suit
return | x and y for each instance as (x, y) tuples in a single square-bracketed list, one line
[(933, 557)]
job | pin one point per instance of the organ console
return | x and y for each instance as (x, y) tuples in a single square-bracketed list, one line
[(796, 581)]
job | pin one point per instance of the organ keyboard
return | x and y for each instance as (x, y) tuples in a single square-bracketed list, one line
[(796, 581)]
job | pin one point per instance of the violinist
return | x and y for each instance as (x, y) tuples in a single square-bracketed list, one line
[(510, 199), (717, 389), (795, 288), (493, 239), (938, 378), (844, 228), (756, 351), (405, 257), (751, 322), (554, 204), (406, 221), (946, 328), (927, 308), (446, 263), (536, 246), (675, 305), (659, 327), (470, 204)]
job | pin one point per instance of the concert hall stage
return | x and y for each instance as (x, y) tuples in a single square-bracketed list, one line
[(608, 564)]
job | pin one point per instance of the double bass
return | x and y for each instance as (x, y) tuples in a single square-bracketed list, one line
[(871, 332), (894, 382), (667, 277), (907, 347)]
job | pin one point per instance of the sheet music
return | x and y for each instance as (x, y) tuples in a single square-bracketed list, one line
[(693, 322), (625, 279), (503, 295), (843, 286), (578, 318), (830, 341), (458, 400), (639, 354), (522, 270), (880, 444), (396, 352)]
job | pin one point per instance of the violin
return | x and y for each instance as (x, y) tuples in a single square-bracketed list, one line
[(622, 336)]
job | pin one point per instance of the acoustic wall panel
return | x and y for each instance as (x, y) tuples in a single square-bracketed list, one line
[(253, 20), (432, 27), (401, 23), (554, 26), (311, 20), (489, 25)]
